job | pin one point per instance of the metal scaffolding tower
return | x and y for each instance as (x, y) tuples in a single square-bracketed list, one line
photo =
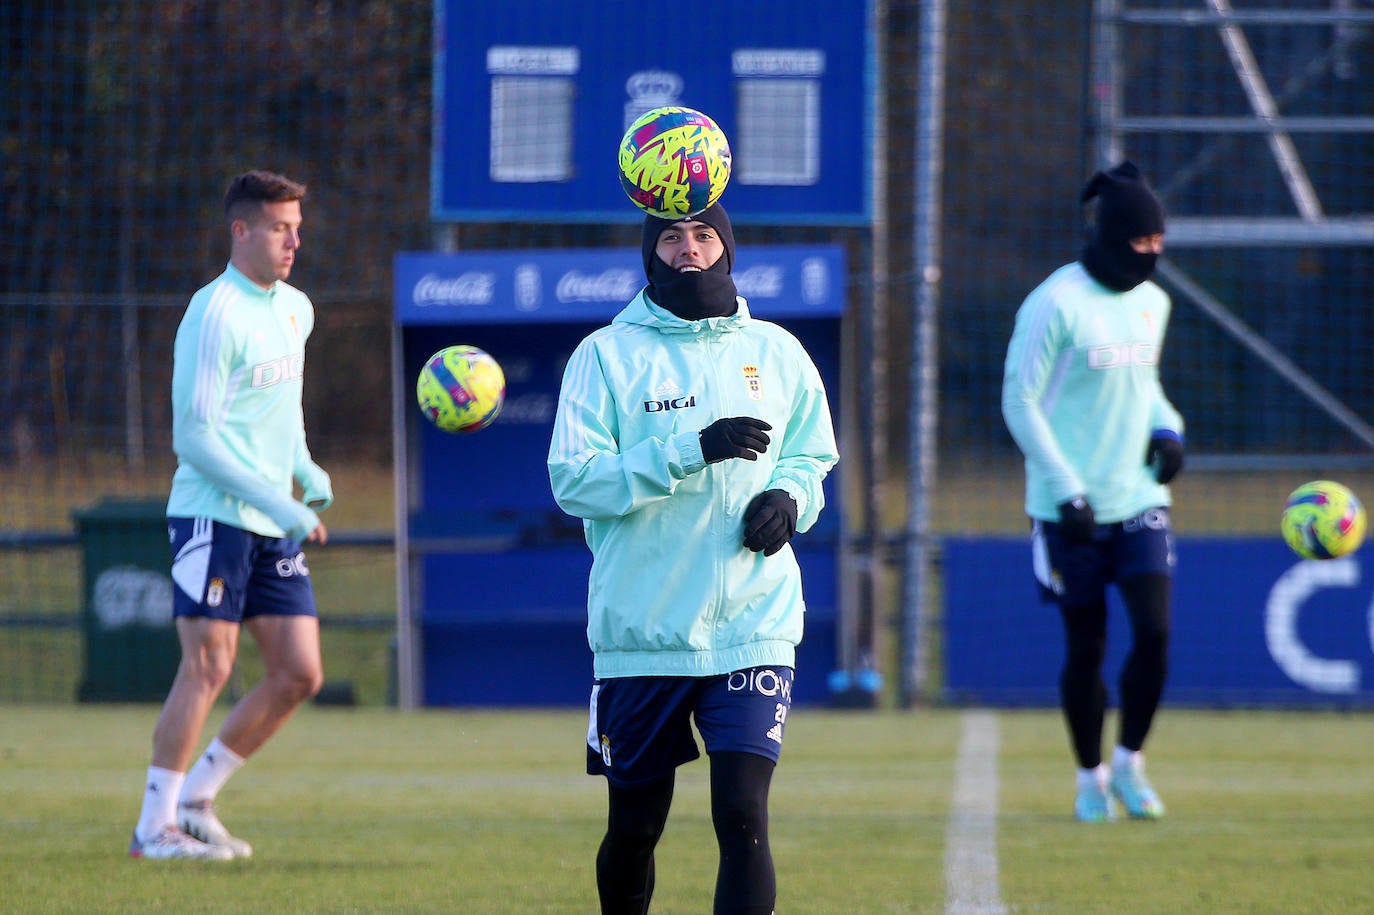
[(1115, 24), (1113, 20)]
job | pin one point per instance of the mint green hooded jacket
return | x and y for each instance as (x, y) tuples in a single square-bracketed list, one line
[(673, 591)]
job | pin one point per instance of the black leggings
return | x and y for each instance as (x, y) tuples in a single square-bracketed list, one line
[(745, 881), (1082, 692)]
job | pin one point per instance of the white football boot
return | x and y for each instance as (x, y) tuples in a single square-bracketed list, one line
[(173, 843), (199, 820)]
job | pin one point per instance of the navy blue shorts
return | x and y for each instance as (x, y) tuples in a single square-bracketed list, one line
[(639, 728), (1077, 574), (226, 573)]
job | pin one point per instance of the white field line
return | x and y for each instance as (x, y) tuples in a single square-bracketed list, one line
[(971, 885)]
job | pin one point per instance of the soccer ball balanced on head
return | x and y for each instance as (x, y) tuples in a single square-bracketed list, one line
[(674, 162)]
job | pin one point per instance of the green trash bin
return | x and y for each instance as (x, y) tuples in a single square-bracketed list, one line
[(131, 648)]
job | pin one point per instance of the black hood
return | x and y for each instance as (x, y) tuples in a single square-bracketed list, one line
[(692, 296), (1126, 208)]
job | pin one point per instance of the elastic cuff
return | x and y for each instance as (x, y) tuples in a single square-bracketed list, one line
[(793, 490), (689, 451)]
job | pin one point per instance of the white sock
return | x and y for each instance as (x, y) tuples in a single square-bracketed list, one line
[(160, 794), (1096, 776), (1124, 760), (210, 772)]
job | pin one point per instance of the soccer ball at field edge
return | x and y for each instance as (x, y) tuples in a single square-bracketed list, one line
[(1323, 520), (461, 388), (674, 162)]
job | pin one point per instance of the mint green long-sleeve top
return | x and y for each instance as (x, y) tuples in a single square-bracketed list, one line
[(237, 423), (1081, 394)]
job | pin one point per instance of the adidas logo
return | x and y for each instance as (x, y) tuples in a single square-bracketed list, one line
[(775, 733), (669, 396)]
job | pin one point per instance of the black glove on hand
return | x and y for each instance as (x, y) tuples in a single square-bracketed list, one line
[(1076, 520), (1165, 455), (769, 521), (735, 437)]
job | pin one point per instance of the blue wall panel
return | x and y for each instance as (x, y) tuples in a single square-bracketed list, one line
[(1252, 625)]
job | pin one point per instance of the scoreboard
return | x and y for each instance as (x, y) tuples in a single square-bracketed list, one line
[(532, 97)]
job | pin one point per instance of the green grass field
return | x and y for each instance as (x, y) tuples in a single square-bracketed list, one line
[(372, 810)]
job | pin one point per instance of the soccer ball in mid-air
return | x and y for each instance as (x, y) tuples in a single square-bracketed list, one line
[(674, 162), (461, 389), (1323, 520)]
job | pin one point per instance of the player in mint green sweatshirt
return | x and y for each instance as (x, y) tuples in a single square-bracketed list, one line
[(692, 439), (236, 530), (1082, 398)]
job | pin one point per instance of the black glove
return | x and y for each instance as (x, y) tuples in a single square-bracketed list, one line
[(770, 521), (1076, 520), (1165, 455), (736, 437)]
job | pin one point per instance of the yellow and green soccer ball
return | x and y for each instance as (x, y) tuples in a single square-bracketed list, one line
[(674, 162), (1323, 520), (461, 389)]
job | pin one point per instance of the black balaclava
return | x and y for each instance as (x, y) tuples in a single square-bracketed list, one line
[(1126, 209), (692, 296)]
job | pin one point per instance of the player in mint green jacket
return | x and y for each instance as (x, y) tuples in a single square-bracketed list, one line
[(693, 439)]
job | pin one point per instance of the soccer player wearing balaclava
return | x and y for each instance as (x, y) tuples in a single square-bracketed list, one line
[(692, 439), (1081, 396)]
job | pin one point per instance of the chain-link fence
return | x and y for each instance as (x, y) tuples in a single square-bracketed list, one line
[(123, 121)]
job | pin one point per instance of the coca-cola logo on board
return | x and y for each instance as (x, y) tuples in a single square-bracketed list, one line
[(763, 282), (472, 288), (614, 285)]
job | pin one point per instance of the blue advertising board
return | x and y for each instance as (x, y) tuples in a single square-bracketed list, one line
[(543, 286), (531, 99), (497, 572), (1253, 625)]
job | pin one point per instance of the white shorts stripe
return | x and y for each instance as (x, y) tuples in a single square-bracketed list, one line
[(191, 564)]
